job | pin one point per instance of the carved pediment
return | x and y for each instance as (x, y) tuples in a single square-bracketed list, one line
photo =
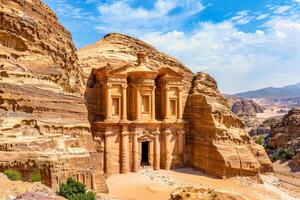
[(168, 72), (146, 137)]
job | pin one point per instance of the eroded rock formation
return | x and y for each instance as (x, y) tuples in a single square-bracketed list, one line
[(286, 133), (43, 118), (247, 111), (244, 106), (217, 140)]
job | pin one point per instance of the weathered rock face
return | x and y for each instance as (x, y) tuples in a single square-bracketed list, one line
[(36, 44), (246, 110), (38, 66), (286, 133), (40, 100), (117, 50), (217, 141), (245, 106)]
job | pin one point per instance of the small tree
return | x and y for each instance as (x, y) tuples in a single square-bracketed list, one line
[(13, 175), (74, 190)]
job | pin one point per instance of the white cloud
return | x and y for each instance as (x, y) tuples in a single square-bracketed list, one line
[(64, 9), (281, 9), (242, 17), (297, 1), (262, 16), (119, 14), (238, 60)]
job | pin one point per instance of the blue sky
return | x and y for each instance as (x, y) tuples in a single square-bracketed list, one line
[(243, 44)]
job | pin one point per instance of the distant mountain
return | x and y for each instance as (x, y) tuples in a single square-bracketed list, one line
[(287, 92)]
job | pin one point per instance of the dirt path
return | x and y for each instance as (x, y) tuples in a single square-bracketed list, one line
[(150, 185)]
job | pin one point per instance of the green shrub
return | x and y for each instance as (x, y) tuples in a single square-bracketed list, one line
[(36, 176), (13, 175), (286, 153), (260, 140), (283, 154), (81, 196), (74, 190)]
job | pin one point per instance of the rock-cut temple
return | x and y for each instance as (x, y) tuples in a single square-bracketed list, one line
[(139, 117)]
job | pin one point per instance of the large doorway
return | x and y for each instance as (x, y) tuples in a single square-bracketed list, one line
[(145, 153)]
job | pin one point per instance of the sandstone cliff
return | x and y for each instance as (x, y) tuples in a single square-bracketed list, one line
[(42, 113), (117, 50), (38, 68), (218, 142), (286, 133)]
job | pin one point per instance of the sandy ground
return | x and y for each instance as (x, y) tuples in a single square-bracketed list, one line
[(290, 179), (152, 185)]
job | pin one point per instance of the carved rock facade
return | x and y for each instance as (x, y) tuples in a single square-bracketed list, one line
[(214, 139)]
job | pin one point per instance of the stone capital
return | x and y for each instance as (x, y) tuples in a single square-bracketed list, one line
[(167, 132), (108, 85), (155, 133), (107, 133), (180, 132), (124, 85), (124, 133)]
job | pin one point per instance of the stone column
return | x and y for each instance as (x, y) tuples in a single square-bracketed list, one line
[(108, 102), (156, 163), (135, 164), (93, 182), (138, 106), (107, 150), (153, 104), (167, 103), (124, 152), (179, 116), (124, 102), (167, 140), (180, 140)]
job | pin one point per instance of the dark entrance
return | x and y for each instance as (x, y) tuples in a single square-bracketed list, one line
[(145, 153)]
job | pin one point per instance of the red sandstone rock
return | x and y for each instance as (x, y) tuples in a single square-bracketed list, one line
[(217, 141), (286, 133), (43, 118)]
